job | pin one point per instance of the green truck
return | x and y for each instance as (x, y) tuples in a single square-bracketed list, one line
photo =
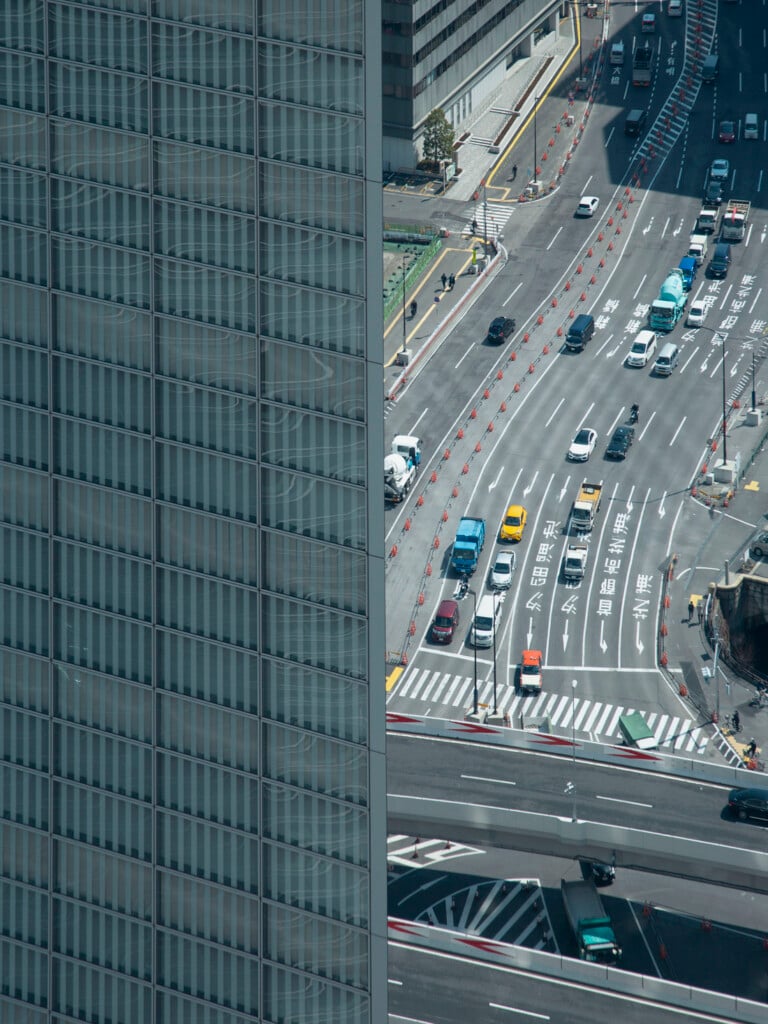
[(636, 732), (591, 925)]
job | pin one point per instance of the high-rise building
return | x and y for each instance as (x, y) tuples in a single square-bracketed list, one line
[(192, 797), (453, 55)]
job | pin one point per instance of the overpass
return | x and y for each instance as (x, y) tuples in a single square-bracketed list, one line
[(654, 807)]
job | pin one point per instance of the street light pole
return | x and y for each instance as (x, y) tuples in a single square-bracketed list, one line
[(404, 327), (574, 685), (495, 705), (535, 140), (474, 648), (577, 27), (485, 220), (753, 381), (725, 413)]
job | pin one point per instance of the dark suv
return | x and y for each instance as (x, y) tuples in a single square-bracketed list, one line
[(501, 328), (748, 803)]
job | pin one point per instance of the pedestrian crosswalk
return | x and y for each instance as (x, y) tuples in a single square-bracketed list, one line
[(598, 719), (492, 220)]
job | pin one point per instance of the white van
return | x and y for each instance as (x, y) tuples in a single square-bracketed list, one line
[(667, 359), (486, 621), (751, 126), (617, 53), (642, 349)]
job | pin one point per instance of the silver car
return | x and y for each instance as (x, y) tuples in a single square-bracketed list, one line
[(502, 571)]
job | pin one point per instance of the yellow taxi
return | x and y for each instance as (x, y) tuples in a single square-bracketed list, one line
[(514, 523)]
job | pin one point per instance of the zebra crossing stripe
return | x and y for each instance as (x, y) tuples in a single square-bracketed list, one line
[(436, 678), (457, 681)]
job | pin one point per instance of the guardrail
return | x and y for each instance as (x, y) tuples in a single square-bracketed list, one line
[(610, 979)]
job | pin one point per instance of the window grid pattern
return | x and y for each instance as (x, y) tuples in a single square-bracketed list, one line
[(184, 347)]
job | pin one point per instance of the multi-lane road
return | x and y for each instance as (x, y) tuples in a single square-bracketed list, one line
[(496, 430), (510, 447)]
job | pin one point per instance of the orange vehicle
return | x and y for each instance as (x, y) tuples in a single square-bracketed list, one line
[(530, 680)]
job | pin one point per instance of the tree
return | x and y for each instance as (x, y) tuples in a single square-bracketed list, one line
[(439, 137)]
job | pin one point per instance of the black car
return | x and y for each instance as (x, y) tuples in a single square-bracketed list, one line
[(748, 803), (620, 442), (602, 874), (714, 192), (501, 328)]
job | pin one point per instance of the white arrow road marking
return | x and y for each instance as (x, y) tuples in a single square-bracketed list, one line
[(603, 644), (662, 511), (565, 634), (529, 634), (495, 482), (638, 642), (529, 488)]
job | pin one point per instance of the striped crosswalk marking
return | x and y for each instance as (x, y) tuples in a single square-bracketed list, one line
[(596, 718)]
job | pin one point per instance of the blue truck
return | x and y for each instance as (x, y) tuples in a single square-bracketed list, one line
[(470, 538), (688, 267)]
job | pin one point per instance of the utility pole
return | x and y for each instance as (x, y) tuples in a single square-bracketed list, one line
[(404, 327), (725, 413)]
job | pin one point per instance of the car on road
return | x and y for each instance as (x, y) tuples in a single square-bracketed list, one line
[(726, 132), (720, 170), (714, 192), (748, 803), (642, 349), (675, 8), (587, 206), (514, 523), (502, 570), (721, 260), (582, 445), (500, 329), (759, 546), (697, 312), (601, 873), (620, 443), (649, 23), (446, 622)]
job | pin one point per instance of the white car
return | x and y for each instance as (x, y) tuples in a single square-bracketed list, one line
[(642, 349), (720, 170), (587, 206), (675, 8), (697, 312), (582, 445), (502, 571)]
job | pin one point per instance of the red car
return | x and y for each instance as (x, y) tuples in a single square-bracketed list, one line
[(727, 132)]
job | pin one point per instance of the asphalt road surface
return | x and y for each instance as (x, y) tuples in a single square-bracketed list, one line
[(601, 632)]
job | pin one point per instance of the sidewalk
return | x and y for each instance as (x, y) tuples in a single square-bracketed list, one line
[(541, 103)]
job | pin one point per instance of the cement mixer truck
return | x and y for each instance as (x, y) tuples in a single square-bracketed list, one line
[(670, 305), (400, 467)]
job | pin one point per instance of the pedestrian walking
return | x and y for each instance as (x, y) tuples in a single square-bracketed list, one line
[(736, 722), (474, 227), (691, 607), (451, 281), (751, 748), (414, 309), (514, 171), (444, 279), (700, 612)]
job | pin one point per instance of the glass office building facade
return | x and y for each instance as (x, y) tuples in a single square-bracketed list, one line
[(192, 807)]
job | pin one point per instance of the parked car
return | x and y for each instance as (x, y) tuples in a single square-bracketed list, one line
[(749, 803), (582, 445), (514, 523), (620, 443), (727, 132), (500, 329), (587, 206), (759, 546), (502, 570)]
